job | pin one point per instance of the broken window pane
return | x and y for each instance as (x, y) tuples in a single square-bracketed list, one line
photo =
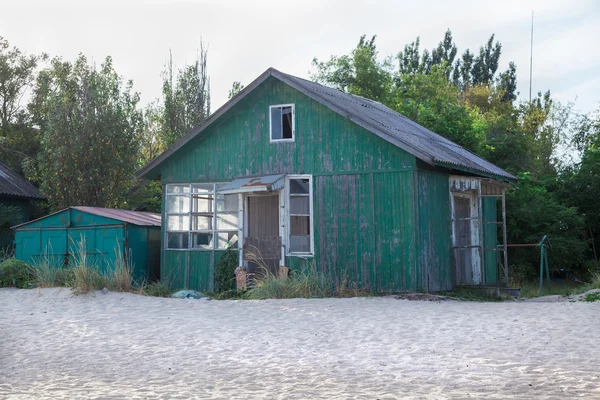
[(202, 240), (226, 239), (286, 123), (178, 223), (299, 205), (299, 186), (177, 240)]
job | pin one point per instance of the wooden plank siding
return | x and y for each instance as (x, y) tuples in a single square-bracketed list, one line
[(433, 231)]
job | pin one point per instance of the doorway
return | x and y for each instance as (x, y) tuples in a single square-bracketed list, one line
[(262, 242), (466, 238)]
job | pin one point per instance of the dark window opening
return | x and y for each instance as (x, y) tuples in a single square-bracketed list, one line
[(282, 123)]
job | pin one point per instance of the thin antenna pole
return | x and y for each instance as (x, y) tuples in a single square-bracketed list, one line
[(531, 57)]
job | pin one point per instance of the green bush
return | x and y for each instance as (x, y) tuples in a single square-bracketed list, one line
[(156, 289), (15, 273), (534, 211), (225, 270)]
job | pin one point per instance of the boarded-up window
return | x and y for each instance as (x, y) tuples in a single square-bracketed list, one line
[(300, 210), (198, 217), (282, 122)]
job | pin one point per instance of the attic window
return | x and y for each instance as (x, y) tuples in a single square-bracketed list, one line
[(282, 123)]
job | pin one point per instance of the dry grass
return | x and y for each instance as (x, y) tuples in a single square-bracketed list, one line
[(308, 282)]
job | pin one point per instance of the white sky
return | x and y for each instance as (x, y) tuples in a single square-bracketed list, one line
[(247, 37)]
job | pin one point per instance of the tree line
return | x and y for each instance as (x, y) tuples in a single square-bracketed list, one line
[(78, 131)]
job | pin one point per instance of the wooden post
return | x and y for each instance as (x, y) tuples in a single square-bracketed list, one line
[(505, 244), (240, 278)]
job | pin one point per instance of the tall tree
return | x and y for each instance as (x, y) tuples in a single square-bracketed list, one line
[(508, 82), (90, 134), (409, 61), (359, 73), (486, 63), (186, 97), (445, 52), (19, 141)]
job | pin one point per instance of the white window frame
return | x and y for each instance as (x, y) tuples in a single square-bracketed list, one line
[(191, 213), (271, 140), (288, 215)]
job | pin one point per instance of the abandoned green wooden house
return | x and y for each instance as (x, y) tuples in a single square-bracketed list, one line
[(302, 173), (16, 196)]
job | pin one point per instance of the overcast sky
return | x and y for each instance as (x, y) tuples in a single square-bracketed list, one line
[(247, 37)]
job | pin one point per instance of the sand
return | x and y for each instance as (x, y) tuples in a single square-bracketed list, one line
[(125, 346)]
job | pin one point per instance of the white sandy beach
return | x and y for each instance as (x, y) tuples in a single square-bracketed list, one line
[(122, 346)]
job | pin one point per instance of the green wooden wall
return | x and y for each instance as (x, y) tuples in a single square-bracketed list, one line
[(433, 231)]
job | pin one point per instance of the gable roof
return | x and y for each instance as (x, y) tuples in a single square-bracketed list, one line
[(140, 218), (391, 126), (11, 184)]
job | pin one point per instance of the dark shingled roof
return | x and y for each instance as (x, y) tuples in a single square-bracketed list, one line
[(371, 115), (11, 184)]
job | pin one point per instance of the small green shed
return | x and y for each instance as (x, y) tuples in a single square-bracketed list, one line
[(108, 233)]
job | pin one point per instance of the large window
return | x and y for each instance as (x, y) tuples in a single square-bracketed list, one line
[(300, 213), (282, 123), (198, 217)]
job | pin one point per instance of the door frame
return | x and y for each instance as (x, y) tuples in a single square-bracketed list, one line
[(245, 196), (476, 235)]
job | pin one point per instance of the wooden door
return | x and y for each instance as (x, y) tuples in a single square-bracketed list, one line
[(462, 232), (262, 245)]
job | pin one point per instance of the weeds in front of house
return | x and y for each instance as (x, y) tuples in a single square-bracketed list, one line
[(307, 282)]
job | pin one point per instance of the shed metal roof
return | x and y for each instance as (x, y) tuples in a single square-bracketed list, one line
[(371, 115), (140, 218), (11, 184)]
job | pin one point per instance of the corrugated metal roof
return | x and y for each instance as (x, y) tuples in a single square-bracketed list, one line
[(141, 218), (371, 115), (11, 184)]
